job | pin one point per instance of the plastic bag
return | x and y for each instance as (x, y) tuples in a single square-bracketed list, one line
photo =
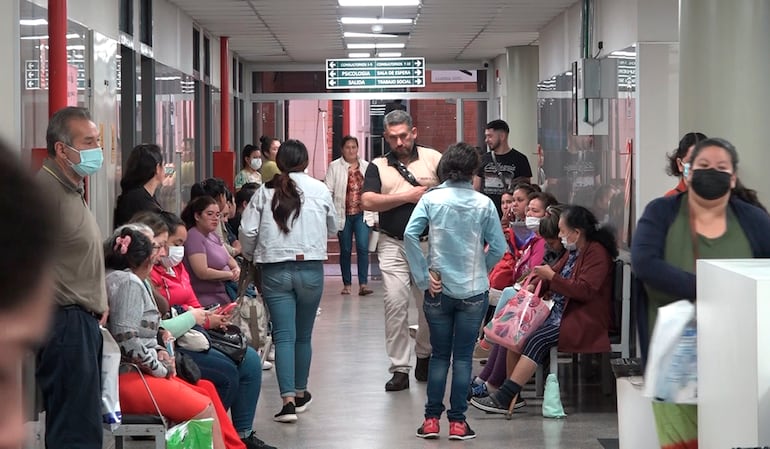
[(552, 407), (110, 364), (192, 434), (671, 374), (518, 318)]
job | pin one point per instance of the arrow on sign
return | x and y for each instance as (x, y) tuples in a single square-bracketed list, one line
[(31, 74), (332, 83), (331, 73), (418, 72), (418, 63), (30, 84), (332, 64), (418, 81)]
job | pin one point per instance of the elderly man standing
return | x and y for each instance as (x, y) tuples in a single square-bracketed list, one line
[(69, 364), (392, 186)]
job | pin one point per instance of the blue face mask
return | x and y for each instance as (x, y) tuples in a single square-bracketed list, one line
[(90, 161)]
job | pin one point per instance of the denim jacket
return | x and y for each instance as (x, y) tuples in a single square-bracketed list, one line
[(461, 222), (263, 242)]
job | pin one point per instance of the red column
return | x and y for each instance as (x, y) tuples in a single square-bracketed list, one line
[(345, 117), (224, 159), (224, 70), (57, 55)]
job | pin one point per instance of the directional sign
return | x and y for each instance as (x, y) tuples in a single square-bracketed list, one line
[(31, 75), (376, 73)]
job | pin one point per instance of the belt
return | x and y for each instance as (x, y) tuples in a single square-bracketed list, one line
[(97, 316), (423, 238)]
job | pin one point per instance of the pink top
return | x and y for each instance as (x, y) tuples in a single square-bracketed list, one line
[(175, 287)]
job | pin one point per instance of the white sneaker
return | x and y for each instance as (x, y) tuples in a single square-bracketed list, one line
[(267, 366), (271, 354)]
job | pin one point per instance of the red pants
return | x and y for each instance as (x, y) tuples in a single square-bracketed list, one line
[(177, 400)]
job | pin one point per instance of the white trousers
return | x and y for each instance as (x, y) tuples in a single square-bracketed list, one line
[(399, 290)]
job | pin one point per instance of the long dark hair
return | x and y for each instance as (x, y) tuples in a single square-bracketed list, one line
[(578, 217), (287, 200), (196, 206), (458, 163), (127, 248), (680, 152), (246, 153), (213, 187), (141, 166), (748, 195)]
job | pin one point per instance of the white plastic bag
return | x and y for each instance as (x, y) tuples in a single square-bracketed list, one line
[(110, 363), (672, 363)]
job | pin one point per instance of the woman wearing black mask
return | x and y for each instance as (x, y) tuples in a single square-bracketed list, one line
[(716, 218)]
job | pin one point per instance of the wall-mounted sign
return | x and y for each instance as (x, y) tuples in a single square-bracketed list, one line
[(377, 73)]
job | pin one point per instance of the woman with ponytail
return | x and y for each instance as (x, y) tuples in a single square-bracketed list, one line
[(454, 278), (285, 228), (580, 286)]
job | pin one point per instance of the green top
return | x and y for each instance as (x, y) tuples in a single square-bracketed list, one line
[(269, 170), (733, 244)]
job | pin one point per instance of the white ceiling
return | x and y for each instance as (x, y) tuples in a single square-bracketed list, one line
[(309, 31)]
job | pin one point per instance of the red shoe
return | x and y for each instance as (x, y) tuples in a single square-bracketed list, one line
[(429, 429), (460, 430)]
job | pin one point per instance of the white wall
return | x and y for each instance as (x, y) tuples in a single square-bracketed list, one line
[(10, 79), (101, 16), (560, 43), (172, 36)]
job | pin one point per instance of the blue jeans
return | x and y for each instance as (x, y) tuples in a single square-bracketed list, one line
[(292, 292), (454, 324), (238, 385), (354, 224)]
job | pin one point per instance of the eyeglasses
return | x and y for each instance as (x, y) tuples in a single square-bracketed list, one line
[(156, 248), (212, 214)]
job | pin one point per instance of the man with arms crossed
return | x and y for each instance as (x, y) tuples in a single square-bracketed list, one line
[(392, 186), (69, 364)]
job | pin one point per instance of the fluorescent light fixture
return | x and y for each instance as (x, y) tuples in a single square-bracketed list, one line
[(389, 54), (620, 53), (73, 36), (167, 78), (360, 46), (45, 36), (390, 45), (358, 55), (33, 22), (379, 2), (373, 20), (76, 47), (372, 35)]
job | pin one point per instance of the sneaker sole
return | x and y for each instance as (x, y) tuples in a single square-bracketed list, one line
[(428, 436), (462, 437), (288, 419), (488, 409), (301, 409)]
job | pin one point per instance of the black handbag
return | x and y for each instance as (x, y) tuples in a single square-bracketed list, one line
[(229, 341), (186, 368)]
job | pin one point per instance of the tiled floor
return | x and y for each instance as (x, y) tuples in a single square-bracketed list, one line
[(350, 408)]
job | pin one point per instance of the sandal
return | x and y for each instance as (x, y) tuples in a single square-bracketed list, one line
[(363, 291), (345, 290)]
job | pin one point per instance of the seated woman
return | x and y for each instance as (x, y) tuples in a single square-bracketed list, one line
[(205, 258), (580, 285), (238, 385), (494, 372), (134, 322), (216, 188)]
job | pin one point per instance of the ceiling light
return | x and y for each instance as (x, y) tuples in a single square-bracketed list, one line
[(45, 36), (377, 28), (374, 35), (33, 22), (390, 45), (389, 54), (373, 20), (358, 55), (379, 2), (360, 46)]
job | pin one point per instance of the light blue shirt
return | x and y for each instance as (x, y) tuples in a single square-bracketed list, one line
[(461, 222)]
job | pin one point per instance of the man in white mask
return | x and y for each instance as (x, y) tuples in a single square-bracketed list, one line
[(69, 364)]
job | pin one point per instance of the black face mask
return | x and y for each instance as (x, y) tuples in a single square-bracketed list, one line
[(710, 183)]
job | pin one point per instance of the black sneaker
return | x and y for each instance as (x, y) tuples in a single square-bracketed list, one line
[(302, 402), (460, 430), (288, 414), (252, 442), (421, 369)]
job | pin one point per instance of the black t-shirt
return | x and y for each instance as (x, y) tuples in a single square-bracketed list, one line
[(133, 201), (497, 174)]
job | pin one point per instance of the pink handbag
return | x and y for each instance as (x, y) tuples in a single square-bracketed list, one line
[(518, 319)]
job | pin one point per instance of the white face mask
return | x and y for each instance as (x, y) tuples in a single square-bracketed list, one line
[(175, 255), (256, 163), (532, 223), (568, 246)]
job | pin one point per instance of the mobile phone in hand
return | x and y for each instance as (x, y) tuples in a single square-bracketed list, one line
[(435, 274), (227, 309)]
